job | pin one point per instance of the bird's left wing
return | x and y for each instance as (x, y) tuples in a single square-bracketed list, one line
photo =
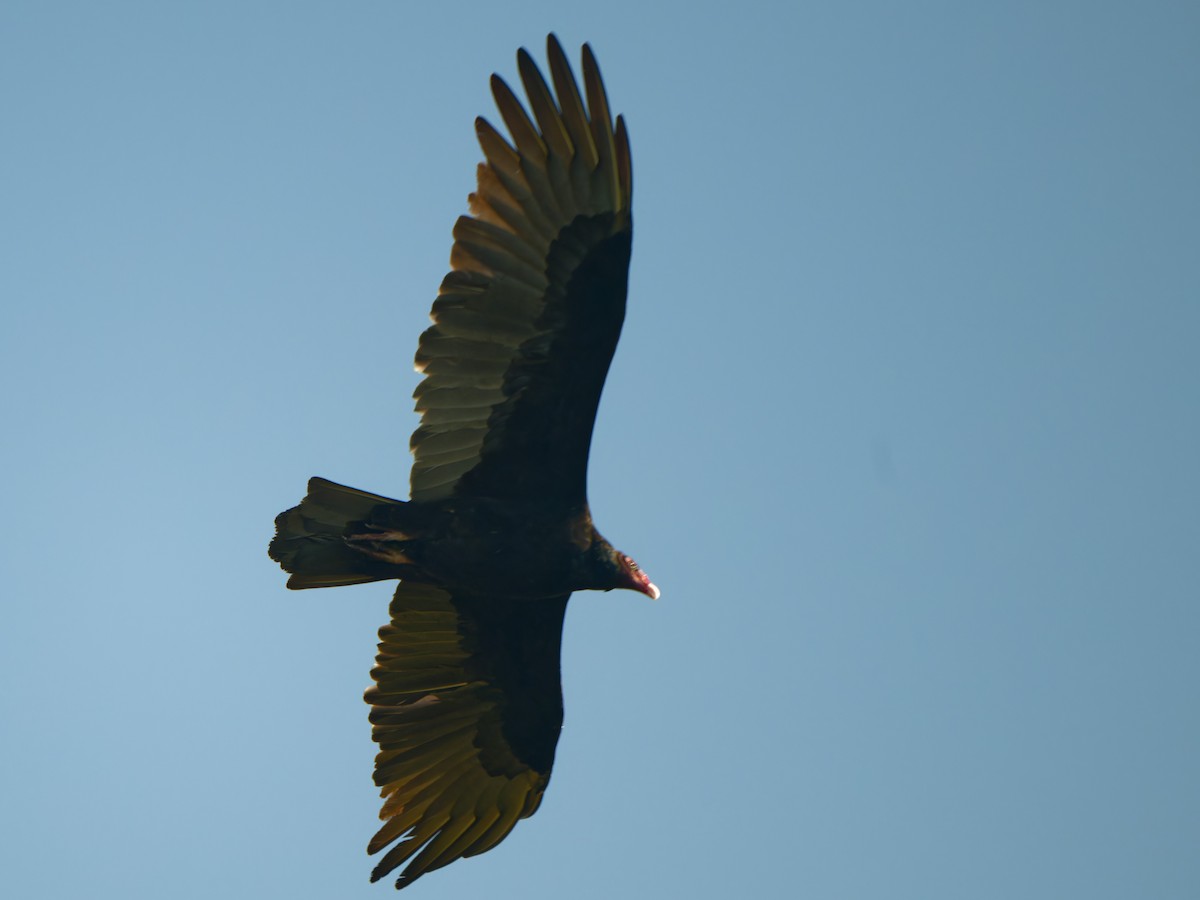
[(467, 710)]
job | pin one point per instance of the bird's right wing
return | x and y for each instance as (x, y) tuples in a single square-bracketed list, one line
[(467, 710), (526, 323)]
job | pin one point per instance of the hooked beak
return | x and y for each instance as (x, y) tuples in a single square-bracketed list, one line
[(633, 578), (641, 582)]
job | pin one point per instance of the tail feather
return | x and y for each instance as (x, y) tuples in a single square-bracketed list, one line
[(309, 538)]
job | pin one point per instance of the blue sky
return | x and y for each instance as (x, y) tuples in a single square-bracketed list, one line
[(904, 423)]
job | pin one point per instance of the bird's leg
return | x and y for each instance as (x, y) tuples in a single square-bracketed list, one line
[(382, 544)]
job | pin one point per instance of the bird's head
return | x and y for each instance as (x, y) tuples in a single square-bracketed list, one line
[(610, 569), (635, 579)]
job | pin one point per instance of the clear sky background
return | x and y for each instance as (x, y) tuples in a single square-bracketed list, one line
[(905, 423)]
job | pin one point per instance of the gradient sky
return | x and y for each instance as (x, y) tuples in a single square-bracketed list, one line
[(905, 423)]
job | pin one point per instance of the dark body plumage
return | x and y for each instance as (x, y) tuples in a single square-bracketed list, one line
[(467, 704)]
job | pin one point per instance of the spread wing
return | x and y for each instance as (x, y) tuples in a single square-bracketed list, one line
[(526, 322), (466, 709)]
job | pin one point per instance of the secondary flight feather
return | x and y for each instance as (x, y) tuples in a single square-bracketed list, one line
[(497, 533)]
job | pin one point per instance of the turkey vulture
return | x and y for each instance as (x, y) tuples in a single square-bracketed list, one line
[(467, 702)]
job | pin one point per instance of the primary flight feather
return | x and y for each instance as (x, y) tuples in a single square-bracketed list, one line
[(467, 703)]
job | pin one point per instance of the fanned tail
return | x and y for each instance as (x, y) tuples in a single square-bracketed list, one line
[(310, 539)]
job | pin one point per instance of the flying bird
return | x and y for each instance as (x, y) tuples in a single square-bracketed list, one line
[(497, 534)]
